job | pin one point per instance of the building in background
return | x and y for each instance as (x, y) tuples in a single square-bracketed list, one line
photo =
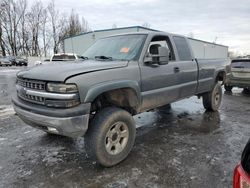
[(79, 43), (207, 50)]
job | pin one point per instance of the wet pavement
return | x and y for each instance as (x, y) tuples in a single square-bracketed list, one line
[(179, 147)]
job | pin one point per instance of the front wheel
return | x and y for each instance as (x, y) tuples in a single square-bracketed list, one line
[(212, 99), (110, 136)]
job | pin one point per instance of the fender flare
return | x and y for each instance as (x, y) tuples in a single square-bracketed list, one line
[(98, 89)]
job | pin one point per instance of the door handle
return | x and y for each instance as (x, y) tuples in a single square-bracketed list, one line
[(176, 69)]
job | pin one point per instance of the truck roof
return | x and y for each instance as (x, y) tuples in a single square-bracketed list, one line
[(147, 33)]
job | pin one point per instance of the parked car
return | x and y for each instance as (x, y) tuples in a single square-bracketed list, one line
[(60, 57), (121, 76), (240, 75), (65, 57), (21, 61), (5, 61), (12, 59), (241, 178)]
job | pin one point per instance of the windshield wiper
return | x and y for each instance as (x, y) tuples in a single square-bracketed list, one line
[(103, 57)]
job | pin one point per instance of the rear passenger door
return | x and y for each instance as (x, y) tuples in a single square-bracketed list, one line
[(186, 66)]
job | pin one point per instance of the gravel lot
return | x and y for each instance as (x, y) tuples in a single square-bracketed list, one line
[(181, 147)]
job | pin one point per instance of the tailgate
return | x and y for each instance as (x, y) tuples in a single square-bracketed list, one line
[(241, 68)]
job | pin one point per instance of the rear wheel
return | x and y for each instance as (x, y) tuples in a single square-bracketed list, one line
[(212, 99), (228, 88), (164, 109), (110, 136)]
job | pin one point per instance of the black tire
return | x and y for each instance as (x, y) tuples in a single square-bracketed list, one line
[(245, 160), (165, 109), (98, 136), (212, 99), (228, 88), (246, 90)]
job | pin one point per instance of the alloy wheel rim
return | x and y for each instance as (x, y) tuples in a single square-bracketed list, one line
[(217, 98), (116, 138)]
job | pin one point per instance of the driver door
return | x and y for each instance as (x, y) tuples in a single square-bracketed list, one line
[(159, 83)]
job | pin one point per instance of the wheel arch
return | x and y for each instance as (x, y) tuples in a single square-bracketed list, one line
[(220, 76), (124, 94)]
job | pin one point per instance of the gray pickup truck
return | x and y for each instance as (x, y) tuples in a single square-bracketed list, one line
[(120, 76)]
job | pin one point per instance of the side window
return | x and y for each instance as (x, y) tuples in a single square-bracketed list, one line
[(182, 48), (161, 41)]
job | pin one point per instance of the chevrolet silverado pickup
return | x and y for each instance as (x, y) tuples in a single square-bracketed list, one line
[(120, 76)]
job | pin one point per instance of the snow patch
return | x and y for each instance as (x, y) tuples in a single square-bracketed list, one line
[(6, 110)]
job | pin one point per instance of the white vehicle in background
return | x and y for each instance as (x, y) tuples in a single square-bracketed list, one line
[(60, 57)]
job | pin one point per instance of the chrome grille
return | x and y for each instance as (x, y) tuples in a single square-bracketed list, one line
[(36, 85), (31, 98), (31, 84)]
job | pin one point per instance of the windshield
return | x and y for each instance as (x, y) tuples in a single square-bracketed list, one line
[(125, 47)]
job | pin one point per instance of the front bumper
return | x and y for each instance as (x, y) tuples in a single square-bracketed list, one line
[(71, 124)]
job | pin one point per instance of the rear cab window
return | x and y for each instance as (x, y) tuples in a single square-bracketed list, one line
[(63, 57), (182, 47)]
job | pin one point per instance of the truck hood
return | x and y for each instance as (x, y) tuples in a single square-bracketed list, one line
[(60, 71)]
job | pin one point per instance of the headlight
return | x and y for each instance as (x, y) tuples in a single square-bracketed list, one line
[(61, 88)]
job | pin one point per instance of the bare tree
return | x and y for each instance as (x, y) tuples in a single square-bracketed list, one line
[(34, 18), (2, 45), (74, 26), (23, 34), (45, 35), (85, 25), (11, 16), (57, 24), (34, 31)]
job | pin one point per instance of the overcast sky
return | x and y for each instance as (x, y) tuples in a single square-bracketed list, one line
[(226, 20)]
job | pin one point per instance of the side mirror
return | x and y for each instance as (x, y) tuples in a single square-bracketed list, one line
[(162, 58), (163, 55)]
